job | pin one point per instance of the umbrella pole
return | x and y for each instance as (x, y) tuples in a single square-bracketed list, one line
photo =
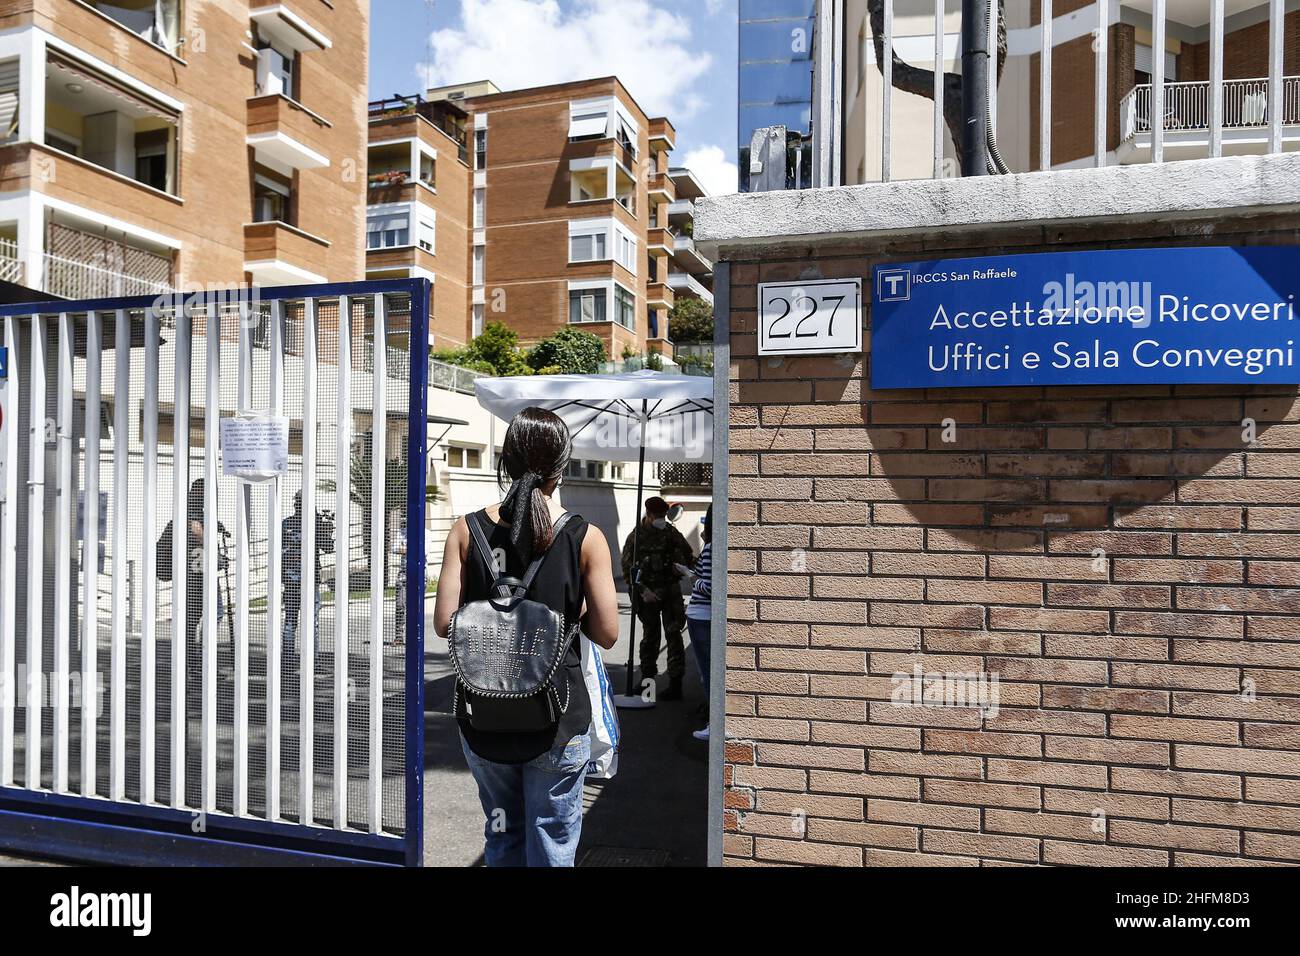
[(631, 699)]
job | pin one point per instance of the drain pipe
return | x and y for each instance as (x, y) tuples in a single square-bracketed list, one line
[(974, 87)]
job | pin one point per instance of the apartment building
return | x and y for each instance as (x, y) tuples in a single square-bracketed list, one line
[(418, 212), (160, 144), (1128, 67), (539, 208)]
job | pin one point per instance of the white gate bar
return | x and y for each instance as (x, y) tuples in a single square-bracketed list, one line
[(121, 496), (64, 490), (180, 550), (149, 558), (1100, 102), (886, 120), (1216, 77), (35, 550), (1045, 85), (307, 593), (1158, 81), (90, 690), (211, 531), (938, 89), (378, 508), (1276, 27), (243, 530), (274, 604), (9, 549), (342, 558)]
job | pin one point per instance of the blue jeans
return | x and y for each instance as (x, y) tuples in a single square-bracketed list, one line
[(701, 635), (533, 809)]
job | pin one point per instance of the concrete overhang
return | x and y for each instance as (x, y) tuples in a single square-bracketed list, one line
[(725, 226)]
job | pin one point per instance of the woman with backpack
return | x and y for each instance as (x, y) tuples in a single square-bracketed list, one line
[(517, 578)]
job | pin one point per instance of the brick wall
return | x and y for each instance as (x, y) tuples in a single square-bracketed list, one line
[(1118, 557)]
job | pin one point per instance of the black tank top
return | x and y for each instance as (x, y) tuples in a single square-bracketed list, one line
[(558, 585)]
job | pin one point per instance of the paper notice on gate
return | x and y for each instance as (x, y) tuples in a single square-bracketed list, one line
[(255, 447)]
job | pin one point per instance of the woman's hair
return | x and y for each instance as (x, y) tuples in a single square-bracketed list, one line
[(534, 452), (708, 526)]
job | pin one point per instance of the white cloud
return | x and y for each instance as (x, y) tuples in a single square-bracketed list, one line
[(523, 43), (711, 166)]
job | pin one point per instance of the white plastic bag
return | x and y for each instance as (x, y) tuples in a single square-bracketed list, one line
[(604, 716)]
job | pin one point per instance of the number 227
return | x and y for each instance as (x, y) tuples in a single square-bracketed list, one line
[(797, 332)]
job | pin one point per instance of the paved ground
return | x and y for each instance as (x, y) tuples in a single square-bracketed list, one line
[(653, 811)]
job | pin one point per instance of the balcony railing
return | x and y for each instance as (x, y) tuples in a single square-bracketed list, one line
[(75, 279), (397, 364), (1187, 105)]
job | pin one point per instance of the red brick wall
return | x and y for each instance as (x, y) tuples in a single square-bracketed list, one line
[(1118, 557)]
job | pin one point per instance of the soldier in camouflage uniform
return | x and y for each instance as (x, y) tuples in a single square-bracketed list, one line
[(656, 594)]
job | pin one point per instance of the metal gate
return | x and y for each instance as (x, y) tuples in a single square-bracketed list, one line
[(192, 669)]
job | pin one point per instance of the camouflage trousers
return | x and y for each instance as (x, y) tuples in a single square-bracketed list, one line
[(662, 620)]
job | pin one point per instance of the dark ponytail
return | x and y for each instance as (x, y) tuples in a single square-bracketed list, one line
[(534, 453)]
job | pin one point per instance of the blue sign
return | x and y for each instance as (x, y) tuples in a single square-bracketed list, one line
[(4, 362), (1114, 317)]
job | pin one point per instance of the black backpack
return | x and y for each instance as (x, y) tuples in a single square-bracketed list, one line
[(507, 651)]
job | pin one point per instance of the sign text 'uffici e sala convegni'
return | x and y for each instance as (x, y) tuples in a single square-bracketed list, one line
[(1121, 316)]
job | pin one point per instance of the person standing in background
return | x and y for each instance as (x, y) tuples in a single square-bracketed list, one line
[(699, 613), (653, 585)]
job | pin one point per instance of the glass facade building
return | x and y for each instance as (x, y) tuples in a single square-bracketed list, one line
[(776, 82)]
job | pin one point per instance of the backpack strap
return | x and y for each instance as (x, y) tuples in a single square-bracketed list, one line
[(500, 581), (474, 520)]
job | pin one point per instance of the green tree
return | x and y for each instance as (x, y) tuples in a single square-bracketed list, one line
[(569, 351), (495, 351), (691, 320)]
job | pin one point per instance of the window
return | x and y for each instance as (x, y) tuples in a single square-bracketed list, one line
[(459, 456), (626, 137), (653, 316), (63, 143), (274, 73), (153, 20), (588, 248), (428, 170), (388, 227), (9, 99), (426, 227), (582, 468), (625, 249), (480, 207), (151, 164), (588, 122), (586, 305), (479, 254), (270, 198), (624, 308), (480, 149), (476, 328)]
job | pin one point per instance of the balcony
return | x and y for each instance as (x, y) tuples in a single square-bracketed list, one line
[(281, 24), (400, 116), (92, 268), (662, 135), (689, 258), (276, 253), (660, 189), (285, 135), (1245, 117), (659, 295), (110, 125), (689, 287)]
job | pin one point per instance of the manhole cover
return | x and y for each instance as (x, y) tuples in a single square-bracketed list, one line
[(624, 856)]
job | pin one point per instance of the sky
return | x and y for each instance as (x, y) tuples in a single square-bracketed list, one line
[(676, 57)]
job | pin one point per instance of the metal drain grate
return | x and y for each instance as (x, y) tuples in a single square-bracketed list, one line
[(624, 856)]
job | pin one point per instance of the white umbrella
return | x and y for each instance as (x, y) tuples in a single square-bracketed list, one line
[(642, 416)]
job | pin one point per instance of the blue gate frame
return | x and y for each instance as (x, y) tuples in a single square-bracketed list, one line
[(96, 829)]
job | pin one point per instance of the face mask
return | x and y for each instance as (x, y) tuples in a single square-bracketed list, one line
[(660, 523)]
